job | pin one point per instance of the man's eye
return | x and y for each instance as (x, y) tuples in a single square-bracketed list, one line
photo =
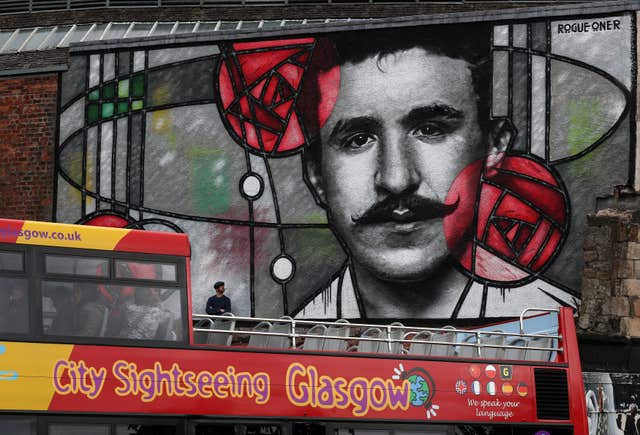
[(359, 140), (429, 130)]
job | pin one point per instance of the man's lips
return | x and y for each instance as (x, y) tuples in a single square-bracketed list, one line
[(401, 210), (403, 215)]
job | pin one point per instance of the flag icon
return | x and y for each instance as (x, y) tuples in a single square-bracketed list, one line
[(476, 387), (490, 371)]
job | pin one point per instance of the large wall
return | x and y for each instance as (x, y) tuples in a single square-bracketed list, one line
[(448, 178)]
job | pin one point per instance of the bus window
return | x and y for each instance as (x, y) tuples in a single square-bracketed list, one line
[(146, 270), (432, 430), (72, 265), (309, 429), (145, 429), (237, 429), (114, 311), (14, 305), (11, 260), (78, 429), (17, 425)]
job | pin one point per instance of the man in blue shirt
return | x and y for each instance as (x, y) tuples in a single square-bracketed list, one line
[(219, 303)]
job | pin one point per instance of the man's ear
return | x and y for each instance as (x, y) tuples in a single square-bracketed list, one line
[(314, 178), (500, 138)]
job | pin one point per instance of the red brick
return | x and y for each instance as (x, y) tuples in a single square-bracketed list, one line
[(27, 134)]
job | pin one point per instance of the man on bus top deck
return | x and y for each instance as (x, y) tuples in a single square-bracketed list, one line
[(412, 112), (218, 304)]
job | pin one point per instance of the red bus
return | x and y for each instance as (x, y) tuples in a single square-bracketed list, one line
[(97, 338)]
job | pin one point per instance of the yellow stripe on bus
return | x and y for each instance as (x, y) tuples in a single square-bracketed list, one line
[(26, 374), (70, 236)]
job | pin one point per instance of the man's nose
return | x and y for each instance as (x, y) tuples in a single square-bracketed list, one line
[(396, 172)]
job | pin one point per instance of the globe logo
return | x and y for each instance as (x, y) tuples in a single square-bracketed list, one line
[(420, 390), (422, 387)]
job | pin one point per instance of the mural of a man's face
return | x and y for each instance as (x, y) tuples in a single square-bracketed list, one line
[(404, 125)]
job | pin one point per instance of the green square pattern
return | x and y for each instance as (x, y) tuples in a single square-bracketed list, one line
[(137, 83), (115, 98), (108, 91), (123, 88), (92, 113), (107, 110)]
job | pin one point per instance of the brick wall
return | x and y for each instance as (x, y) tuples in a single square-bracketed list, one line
[(611, 276), (27, 134)]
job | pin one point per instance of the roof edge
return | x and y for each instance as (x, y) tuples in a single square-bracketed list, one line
[(579, 9)]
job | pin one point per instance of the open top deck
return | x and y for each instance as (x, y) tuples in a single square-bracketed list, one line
[(531, 339)]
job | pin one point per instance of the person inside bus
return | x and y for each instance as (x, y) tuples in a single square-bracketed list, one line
[(145, 318), (90, 310), (80, 311), (219, 303), (14, 309), (629, 426)]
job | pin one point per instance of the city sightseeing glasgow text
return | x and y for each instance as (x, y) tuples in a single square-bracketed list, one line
[(305, 385)]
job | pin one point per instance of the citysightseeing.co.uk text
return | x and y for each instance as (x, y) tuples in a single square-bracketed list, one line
[(10, 233)]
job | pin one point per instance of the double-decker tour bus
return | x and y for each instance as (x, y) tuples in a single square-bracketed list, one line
[(98, 337)]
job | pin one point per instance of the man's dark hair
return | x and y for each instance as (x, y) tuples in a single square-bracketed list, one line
[(469, 42)]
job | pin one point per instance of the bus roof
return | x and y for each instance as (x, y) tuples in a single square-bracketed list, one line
[(93, 237)]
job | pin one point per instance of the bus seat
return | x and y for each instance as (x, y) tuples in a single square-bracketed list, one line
[(443, 336), (315, 343), (222, 338), (515, 354), (260, 340), (280, 341), (371, 346), (202, 337), (164, 330), (417, 348), (468, 351), (397, 334), (342, 329), (493, 339), (535, 354)]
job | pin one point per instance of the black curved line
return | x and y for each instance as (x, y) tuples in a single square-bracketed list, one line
[(356, 289), (496, 204), (119, 78), (555, 298), (141, 223), (462, 298), (530, 178), (339, 294), (273, 48), (621, 87), (196, 218), (483, 304), (531, 275)]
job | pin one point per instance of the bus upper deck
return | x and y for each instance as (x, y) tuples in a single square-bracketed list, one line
[(96, 324)]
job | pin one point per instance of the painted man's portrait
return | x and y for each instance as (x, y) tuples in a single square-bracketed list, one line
[(426, 172)]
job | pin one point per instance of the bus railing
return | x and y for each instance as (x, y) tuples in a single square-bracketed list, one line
[(395, 338)]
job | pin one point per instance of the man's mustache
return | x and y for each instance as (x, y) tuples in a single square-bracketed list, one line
[(404, 209)]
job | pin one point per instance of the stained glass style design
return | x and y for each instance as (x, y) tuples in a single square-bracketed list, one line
[(220, 145), (115, 98)]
